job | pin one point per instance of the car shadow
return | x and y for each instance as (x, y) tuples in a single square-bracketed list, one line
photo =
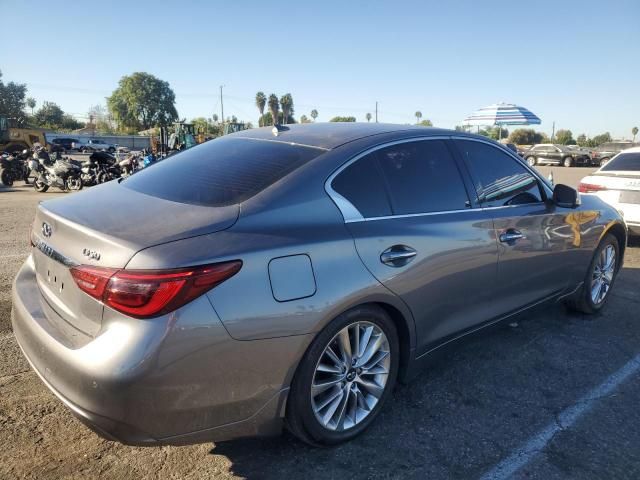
[(474, 405)]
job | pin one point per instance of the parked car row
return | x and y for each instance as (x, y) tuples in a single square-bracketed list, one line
[(82, 145), (571, 155)]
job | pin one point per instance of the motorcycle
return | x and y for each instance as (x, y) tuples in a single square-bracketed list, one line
[(12, 168), (130, 165), (99, 168), (59, 173)]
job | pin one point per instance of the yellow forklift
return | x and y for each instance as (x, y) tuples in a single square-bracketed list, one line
[(15, 136)]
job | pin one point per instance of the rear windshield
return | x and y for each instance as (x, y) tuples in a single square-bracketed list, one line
[(623, 161), (221, 172)]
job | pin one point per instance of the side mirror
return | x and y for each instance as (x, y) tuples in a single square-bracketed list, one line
[(565, 196)]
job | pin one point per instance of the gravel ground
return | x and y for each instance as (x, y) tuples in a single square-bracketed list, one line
[(459, 419)]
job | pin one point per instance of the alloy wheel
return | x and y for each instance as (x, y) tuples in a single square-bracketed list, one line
[(350, 376), (603, 273)]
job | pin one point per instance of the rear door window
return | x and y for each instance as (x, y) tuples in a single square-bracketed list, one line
[(499, 179), (221, 172)]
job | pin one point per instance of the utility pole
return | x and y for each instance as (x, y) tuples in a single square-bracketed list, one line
[(376, 112), (553, 131), (221, 105)]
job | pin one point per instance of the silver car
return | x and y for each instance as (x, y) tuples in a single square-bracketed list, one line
[(292, 276)]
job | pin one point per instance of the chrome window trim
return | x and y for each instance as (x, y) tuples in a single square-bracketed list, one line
[(517, 158), (349, 212)]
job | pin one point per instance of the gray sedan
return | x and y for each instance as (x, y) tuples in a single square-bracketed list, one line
[(292, 276)]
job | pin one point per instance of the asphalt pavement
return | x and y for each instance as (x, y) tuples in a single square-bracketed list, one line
[(551, 397)]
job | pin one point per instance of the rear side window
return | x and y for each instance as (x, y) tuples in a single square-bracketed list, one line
[(624, 161), (499, 179), (361, 184), (422, 177), (221, 172)]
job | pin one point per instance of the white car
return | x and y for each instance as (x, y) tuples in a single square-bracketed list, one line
[(618, 183), (94, 145)]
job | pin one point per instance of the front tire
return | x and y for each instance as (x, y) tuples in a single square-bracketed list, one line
[(567, 162), (532, 161), (345, 377), (600, 277), (40, 186)]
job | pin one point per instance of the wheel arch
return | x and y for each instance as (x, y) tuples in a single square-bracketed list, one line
[(618, 231)]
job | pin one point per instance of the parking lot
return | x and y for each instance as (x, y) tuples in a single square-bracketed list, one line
[(553, 396)]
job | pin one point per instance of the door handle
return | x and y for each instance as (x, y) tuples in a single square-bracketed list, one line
[(398, 255), (510, 236)]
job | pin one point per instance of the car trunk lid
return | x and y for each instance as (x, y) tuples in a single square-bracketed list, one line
[(106, 226)]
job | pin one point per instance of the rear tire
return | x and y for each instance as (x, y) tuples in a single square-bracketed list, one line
[(532, 161), (6, 177), (603, 162), (585, 300), (360, 381)]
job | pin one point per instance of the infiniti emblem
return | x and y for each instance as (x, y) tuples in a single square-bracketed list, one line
[(46, 229)]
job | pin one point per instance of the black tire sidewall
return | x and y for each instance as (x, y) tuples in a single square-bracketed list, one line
[(607, 240), (300, 398)]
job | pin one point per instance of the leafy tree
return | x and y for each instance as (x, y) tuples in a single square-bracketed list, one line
[(274, 107), (368, 117), (267, 119), (49, 115), (564, 137), (12, 98), (214, 117), (525, 136), (343, 119), (494, 132), (261, 102), (31, 103), (426, 123), (142, 101), (634, 132), (286, 102), (582, 140), (314, 114), (304, 119), (599, 139), (69, 123), (418, 115)]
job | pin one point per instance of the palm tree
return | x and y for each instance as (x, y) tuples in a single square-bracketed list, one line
[(31, 103), (368, 116), (286, 102), (418, 115), (274, 106), (314, 114), (261, 101), (634, 131)]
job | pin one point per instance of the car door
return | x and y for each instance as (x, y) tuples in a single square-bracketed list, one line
[(421, 235), (534, 235)]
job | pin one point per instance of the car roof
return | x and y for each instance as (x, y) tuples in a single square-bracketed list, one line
[(330, 135)]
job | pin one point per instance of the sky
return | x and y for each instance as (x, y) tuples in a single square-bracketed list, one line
[(575, 63)]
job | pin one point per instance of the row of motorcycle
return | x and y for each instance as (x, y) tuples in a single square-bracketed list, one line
[(44, 170)]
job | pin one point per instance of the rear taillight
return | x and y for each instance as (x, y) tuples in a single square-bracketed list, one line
[(149, 293), (590, 188)]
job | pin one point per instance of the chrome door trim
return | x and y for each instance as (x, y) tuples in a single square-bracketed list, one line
[(348, 210)]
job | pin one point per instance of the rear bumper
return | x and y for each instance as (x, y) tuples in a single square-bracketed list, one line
[(177, 379)]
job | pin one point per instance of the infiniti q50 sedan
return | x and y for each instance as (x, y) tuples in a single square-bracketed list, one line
[(292, 276)]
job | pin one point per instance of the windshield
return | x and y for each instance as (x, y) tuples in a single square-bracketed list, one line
[(221, 172), (624, 161)]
